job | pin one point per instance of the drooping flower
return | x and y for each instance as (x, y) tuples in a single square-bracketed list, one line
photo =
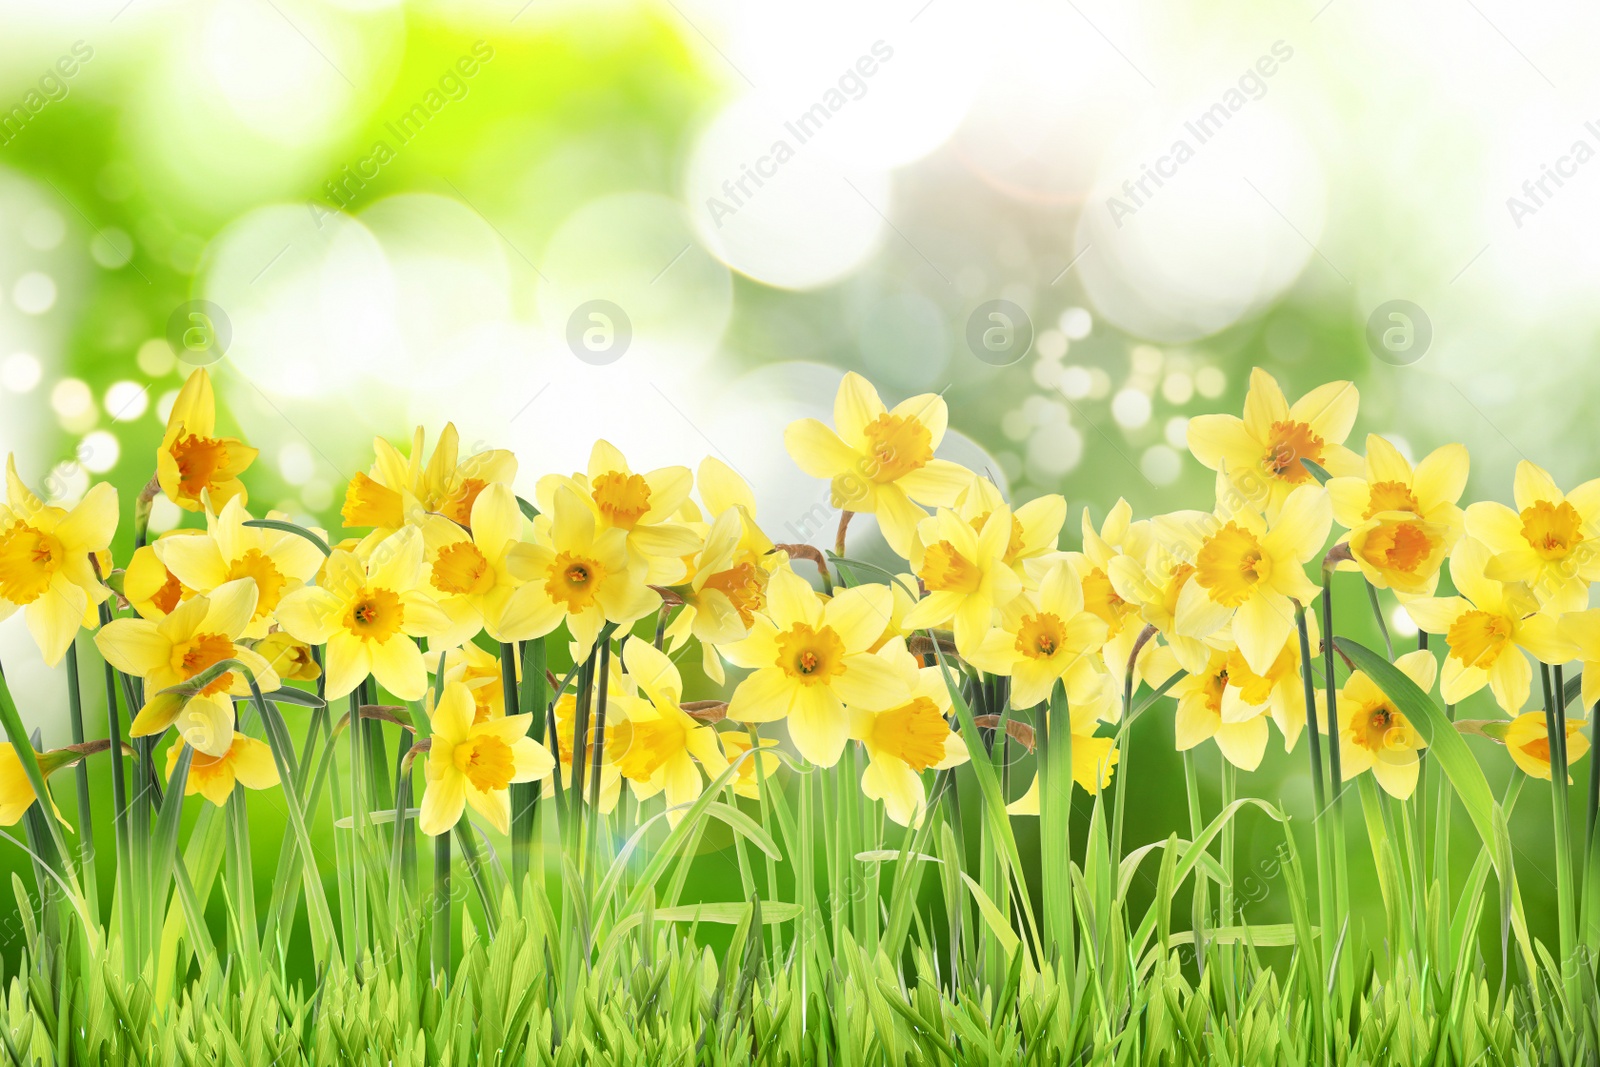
[(903, 741), (580, 573), (642, 506), (1251, 573), (1527, 739), (292, 660), (277, 561), (16, 792), (1402, 522), (45, 567), (471, 762), (1487, 627), (658, 747), (368, 611), (1549, 542), (401, 490), (810, 659), (199, 633), (149, 587), (1262, 453), (1374, 735), (1046, 636), (245, 762), (881, 461), (965, 574), (194, 466)]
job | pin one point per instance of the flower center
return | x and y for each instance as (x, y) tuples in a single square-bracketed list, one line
[(945, 569), (191, 657), (1391, 496), (1477, 638), (457, 506), (1553, 530), (269, 580), (1230, 565), (1256, 689), (1378, 729), (810, 656), (1292, 442), (1040, 636), (745, 586), (1401, 546), (1538, 748), (169, 596), (29, 558), (572, 580), (914, 732), (461, 569), (486, 761), (639, 749), (370, 503), (375, 615), (622, 498), (1216, 685), (896, 446), (198, 459)]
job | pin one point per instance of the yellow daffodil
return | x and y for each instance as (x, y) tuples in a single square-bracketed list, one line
[(278, 562), (727, 579), (642, 506), (1402, 522), (245, 762), (1156, 582), (1581, 630), (149, 587), (881, 461), (16, 792), (45, 567), (1527, 739), (1279, 689), (194, 466), (469, 571), (401, 490), (747, 781), (291, 660), (1210, 708), (1374, 735), (810, 659), (580, 573), (480, 672), (199, 633), (1251, 572), (1487, 627), (1549, 542), (1118, 537), (1093, 760), (658, 747), (471, 762), (1262, 453), (903, 741), (367, 612), (965, 574), (1046, 636), (1035, 525)]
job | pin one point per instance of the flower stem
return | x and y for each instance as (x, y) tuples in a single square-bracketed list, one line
[(441, 909), (589, 859), (86, 849), (1319, 788), (1556, 733)]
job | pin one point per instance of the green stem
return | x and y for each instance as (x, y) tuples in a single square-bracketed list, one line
[(86, 848), (1201, 898), (356, 934), (1556, 733), (1319, 788), (591, 843), (1591, 838), (441, 909)]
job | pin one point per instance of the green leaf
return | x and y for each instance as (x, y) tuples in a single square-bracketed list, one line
[(529, 512), (289, 527), (993, 917)]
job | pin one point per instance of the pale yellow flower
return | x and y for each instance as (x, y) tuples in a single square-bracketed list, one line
[(1402, 522), (401, 490), (474, 762), (903, 741), (245, 762), (1374, 735), (1549, 542), (194, 466)]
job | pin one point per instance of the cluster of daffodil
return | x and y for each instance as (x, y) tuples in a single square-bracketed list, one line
[(445, 571)]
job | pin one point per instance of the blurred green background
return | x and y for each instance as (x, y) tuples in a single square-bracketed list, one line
[(404, 213)]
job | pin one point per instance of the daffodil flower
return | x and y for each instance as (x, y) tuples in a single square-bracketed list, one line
[(1402, 522), (1262, 452), (472, 762), (1549, 542), (1251, 573), (194, 466), (45, 568), (581, 574), (881, 461), (642, 506), (1118, 536), (291, 659), (469, 571), (1155, 583), (367, 611), (400, 490), (199, 633), (1374, 735), (1210, 708), (1581, 630), (964, 573), (1527, 739), (810, 659), (1047, 636), (149, 586), (1035, 525), (658, 747), (245, 762), (16, 791), (278, 562), (480, 672), (1487, 627), (747, 780), (903, 741), (1093, 760)]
